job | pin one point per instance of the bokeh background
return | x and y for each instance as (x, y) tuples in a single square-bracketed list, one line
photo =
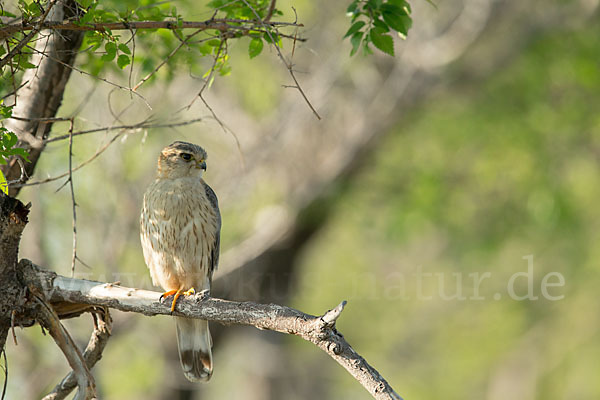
[(470, 156)]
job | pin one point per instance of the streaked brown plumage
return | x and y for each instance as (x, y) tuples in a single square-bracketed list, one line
[(180, 232)]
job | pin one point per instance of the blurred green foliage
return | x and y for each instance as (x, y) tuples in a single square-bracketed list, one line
[(479, 177)]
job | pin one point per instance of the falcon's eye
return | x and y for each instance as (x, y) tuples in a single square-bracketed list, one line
[(186, 156)]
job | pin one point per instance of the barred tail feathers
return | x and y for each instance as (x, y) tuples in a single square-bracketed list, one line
[(194, 343)]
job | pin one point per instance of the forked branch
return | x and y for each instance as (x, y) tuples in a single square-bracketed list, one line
[(320, 330)]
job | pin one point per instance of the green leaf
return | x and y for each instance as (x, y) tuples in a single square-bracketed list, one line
[(10, 139), (27, 65), (123, 61), (3, 185), (255, 47), (394, 16), (381, 25), (354, 28), (6, 111), (124, 48), (355, 40), (382, 41), (111, 52)]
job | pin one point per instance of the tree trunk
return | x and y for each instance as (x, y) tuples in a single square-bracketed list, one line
[(43, 92), (13, 217)]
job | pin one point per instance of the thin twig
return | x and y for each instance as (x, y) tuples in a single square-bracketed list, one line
[(15, 90), (133, 33), (169, 56), (209, 78), (91, 75), (12, 326), (226, 129), (223, 25), (289, 66), (142, 125), (214, 115), (270, 11), (73, 202)]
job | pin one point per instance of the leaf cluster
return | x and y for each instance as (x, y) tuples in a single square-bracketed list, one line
[(8, 139), (374, 21)]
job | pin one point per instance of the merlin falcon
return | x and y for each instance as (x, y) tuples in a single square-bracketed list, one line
[(180, 230)]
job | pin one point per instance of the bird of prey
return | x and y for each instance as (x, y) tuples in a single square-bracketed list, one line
[(180, 229)]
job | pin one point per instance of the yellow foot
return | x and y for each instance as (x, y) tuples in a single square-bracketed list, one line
[(176, 293)]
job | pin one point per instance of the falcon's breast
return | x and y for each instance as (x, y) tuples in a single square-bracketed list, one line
[(180, 233)]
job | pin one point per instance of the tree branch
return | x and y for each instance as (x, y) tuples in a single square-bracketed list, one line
[(48, 319), (222, 25), (91, 355), (320, 330)]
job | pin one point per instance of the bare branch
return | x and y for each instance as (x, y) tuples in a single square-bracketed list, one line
[(49, 320), (146, 124), (91, 355), (222, 25), (319, 330), (73, 202)]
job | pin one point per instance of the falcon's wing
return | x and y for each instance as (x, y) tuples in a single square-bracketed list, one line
[(214, 254)]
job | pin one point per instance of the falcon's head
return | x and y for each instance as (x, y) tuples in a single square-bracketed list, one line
[(181, 159)]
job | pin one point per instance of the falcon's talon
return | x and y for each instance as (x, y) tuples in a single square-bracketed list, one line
[(205, 294), (167, 294)]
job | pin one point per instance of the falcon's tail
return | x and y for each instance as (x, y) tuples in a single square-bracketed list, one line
[(194, 342)]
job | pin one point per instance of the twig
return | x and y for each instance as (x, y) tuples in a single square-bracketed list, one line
[(142, 125), (73, 202), (23, 177), (91, 355), (34, 30), (91, 75), (225, 129), (169, 56), (12, 326), (289, 65), (15, 90), (270, 11), (49, 320), (319, 330), (209, 108), (222, 25), (209, 77)]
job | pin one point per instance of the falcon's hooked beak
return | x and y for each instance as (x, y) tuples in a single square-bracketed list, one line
[(201, 165)]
